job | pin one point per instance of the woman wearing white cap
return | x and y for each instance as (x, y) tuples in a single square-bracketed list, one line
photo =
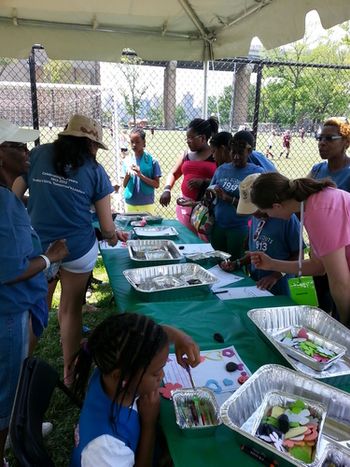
[(23, 286), (64, 180)]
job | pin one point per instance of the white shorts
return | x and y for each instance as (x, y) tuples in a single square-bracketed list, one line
[(85, 263)]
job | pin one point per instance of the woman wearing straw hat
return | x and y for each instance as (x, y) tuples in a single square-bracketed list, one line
[(23, 286), (64, 180)]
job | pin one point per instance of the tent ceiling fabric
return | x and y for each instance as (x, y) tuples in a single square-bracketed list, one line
[(156, 29)]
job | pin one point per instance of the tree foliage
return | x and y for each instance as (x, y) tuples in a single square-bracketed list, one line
[(133, 92)]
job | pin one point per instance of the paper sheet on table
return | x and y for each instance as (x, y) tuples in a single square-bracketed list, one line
[(193, 248), (211, 372), (104, 245), (224, 278), (243, 292)]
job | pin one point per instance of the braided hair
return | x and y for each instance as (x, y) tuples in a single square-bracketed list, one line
[(208, 127), (137, 130), (127, 342), (273, 187)]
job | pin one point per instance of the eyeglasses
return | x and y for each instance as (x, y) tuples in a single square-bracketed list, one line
[(189, 140), (258, 230), (328, 138), (19, 146)]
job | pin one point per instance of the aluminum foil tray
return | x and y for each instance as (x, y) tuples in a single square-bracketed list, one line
[(215, 256), (335, 456), (336, 351), (126, 217), (241, 410), (157, 232), (158, 251), (196, 411), (273, 321), (169, 277), (281, 400)]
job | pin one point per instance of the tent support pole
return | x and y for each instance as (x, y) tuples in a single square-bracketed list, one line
[(33, 89)]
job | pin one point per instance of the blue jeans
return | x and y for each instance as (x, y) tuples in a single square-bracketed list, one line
[(14, 336)]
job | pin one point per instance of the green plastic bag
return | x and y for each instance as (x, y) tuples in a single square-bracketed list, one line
[(302, 290)]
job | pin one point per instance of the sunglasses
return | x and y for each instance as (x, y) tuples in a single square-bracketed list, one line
[(259, 228), (19, 146), (328, 138)]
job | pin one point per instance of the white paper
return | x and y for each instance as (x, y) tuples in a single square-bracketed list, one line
[(193, 248), (211, 369), (243, 292), (224, 278)]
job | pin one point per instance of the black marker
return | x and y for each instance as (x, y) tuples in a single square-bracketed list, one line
[(259, 456), (220, 291)]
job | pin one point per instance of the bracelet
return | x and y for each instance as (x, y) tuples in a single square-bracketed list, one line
[(47, 262), (166, 190)]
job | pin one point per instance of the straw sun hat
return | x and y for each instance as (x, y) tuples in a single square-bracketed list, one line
[(84, 127)]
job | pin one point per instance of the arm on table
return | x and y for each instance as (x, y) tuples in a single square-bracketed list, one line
[(186, 350), (108, 230)]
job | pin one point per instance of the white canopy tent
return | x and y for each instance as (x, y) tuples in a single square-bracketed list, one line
[(156, 29)]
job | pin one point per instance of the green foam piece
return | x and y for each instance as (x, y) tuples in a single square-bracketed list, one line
[(303, 453)]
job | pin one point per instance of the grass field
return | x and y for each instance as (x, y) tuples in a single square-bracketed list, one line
[(166, 146)]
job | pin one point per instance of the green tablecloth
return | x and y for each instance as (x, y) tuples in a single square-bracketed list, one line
[(201, 317)]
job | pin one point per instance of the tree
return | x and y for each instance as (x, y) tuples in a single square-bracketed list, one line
[(156, 115), (292, 94), (134, 91), (221, 105), (180, 116)]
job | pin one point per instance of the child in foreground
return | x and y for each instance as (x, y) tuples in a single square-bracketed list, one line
[(118, 420), (278, 238)]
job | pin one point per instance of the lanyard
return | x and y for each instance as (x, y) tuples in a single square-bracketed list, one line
[(300, 257)]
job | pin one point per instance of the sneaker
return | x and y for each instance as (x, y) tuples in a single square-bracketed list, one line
[(46, 429)]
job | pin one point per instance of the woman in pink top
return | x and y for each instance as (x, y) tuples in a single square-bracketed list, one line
[(197, 165), (327, 222)]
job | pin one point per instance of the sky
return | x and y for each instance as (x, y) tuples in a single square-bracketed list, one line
[(192, 81)]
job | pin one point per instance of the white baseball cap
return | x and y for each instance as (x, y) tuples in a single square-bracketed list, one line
[(245, 205), (13, 133)]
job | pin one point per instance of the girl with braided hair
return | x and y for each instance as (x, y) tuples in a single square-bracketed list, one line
[(118, 420), (327, 222)]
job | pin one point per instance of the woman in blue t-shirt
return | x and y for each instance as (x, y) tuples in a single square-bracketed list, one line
[(141, 175), (64, 180), (23, 286)]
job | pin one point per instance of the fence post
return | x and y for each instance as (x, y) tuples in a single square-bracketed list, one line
[(33, 90), (257, 99)]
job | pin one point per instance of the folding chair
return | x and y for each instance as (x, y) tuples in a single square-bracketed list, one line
[(35, 387)]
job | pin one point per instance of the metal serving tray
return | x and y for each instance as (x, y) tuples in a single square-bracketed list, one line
[(158, 251), (184, 420), (242, 409), (335, 456), (158, 232), (315, 338), (272, 321), (208, 256), (169, 277)]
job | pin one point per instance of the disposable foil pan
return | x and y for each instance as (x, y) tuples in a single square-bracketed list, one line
[(281, 399), (296, 353), (335, 456), (190, 427), (169, 277), (242, 409), (156, 231), (157, 251), (272, 321), (208, 256)]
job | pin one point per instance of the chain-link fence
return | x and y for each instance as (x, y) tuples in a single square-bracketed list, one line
[(277, 100)]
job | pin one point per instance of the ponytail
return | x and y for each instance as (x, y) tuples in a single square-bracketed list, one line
[(271, 188), (208, 128)]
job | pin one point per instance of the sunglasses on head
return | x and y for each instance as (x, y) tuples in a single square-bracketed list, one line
[(13, 145), (328, 138), (259, 228)]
